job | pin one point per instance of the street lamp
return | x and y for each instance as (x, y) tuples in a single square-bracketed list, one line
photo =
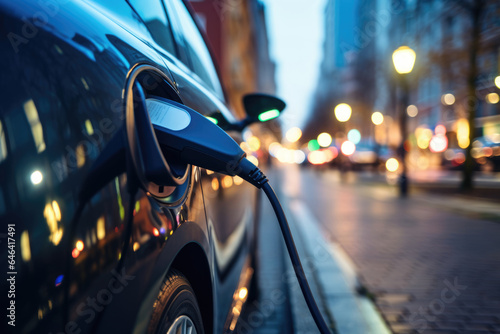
[(404, 60)]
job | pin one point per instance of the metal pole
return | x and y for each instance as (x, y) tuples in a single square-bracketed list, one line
[(403, 181)]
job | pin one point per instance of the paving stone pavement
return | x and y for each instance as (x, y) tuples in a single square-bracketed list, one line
[(431, 270)]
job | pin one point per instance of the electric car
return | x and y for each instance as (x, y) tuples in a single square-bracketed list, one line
[(96, 238)]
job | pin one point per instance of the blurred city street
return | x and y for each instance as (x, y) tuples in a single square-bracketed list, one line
[(430, 262)]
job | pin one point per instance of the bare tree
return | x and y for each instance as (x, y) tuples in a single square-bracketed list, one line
[(475, 10)]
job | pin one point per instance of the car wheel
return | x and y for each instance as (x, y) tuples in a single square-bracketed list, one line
[(176, 309)]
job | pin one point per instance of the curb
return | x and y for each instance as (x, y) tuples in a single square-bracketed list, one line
[(335, 276)]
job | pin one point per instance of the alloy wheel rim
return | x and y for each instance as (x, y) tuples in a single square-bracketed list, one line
[(182, 325)]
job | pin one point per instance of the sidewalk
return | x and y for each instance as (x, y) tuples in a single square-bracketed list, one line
[(330, 273), (482, 202)]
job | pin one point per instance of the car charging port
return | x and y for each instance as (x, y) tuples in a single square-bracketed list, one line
[(159, 170)]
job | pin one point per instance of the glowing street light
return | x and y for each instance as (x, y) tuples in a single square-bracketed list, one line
[(497, 81), (377, 118), (343, 112), (404, 59)]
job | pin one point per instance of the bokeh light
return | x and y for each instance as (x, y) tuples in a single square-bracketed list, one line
[(36, 177), (316, 157), (492, 98), (253, 160), (423, 163), (293, 134), (299, 157), (238, 180), (324, 139), (329, 154), (343, 112), (313, 145), (424, 137), (334, 151), (438, 143), (459, 158), (273, 148), (227, 181), (463, 133), (322, 156), (392, 165), (354, 136), (254, 143), (377, 118), (448, 99), (348, 148), (243, 293), (215, 184), (136, 246), (440, 129), (79, 245), (412, 110)]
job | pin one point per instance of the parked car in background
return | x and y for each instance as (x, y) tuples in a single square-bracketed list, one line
[(87, 252), (369, 156), (485, 152)]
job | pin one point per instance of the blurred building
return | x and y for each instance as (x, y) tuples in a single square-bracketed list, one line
[(237, 34), (337, 75), (440, 32)]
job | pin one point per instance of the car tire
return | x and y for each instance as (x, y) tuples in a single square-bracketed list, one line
[(176, 309)]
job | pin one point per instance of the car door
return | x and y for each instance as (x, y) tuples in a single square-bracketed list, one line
[(62, 109), (56, 116), (229, 201)]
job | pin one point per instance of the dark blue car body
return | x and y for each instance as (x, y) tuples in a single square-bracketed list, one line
[(66, 66)]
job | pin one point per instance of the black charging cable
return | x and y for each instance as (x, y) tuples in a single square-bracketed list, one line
[(255, 176)]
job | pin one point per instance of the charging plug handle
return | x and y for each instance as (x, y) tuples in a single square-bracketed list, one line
[(193, 137)]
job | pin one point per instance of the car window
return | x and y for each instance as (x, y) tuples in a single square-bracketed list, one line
[(200, 59), (154, 16)]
